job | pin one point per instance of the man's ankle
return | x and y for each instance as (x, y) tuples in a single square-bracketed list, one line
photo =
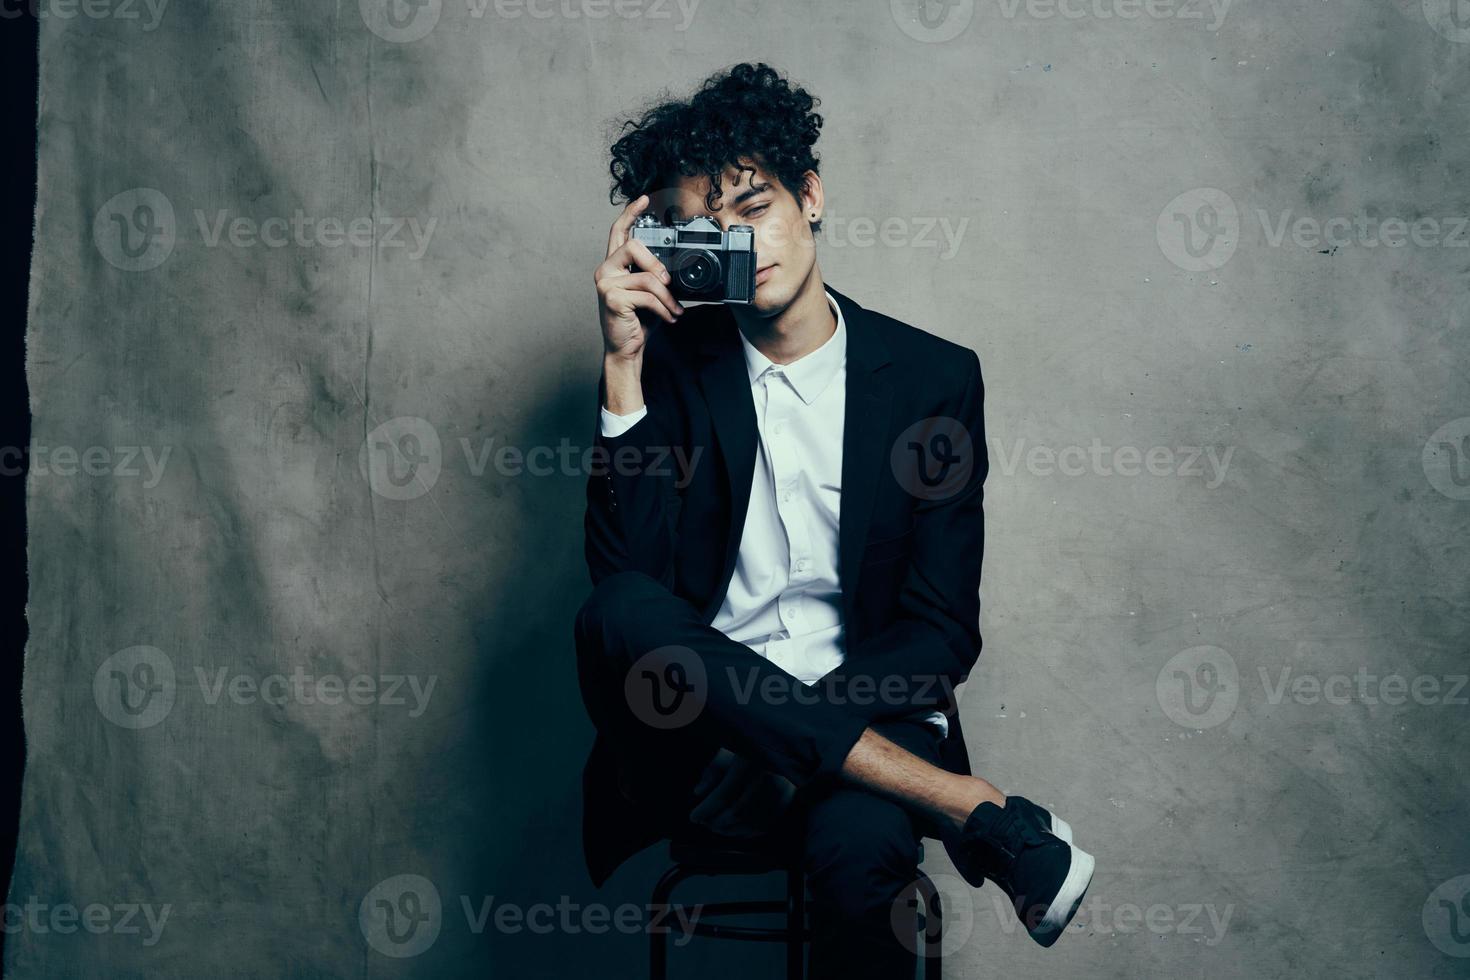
[(968, 794)]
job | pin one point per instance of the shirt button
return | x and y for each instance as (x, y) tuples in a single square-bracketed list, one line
[(801, 565), (778, 428)]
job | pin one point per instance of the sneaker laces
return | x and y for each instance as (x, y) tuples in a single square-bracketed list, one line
[(1008, 835)]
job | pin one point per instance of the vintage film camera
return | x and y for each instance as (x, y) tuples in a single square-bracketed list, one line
[(705, 264)]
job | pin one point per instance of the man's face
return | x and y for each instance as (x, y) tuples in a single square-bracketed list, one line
[(784, 245)]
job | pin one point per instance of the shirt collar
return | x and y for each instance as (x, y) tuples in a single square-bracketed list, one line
[(809, 374)]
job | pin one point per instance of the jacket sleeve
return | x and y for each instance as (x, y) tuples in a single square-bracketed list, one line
[(633, 498), (934, 641)]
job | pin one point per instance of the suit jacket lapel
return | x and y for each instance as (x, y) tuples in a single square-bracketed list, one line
[(865, 448), (726, 385)]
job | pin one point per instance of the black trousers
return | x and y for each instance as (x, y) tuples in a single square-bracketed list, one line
[(669, 690)]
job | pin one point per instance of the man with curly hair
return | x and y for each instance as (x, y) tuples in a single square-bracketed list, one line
[(774, 637)]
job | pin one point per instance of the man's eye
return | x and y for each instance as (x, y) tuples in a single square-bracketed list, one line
[(757, 210)]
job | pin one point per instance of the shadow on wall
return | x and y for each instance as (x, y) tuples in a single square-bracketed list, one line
[(530, 737), (530, 733)]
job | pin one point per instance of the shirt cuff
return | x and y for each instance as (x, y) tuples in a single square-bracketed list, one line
[(615, 425)]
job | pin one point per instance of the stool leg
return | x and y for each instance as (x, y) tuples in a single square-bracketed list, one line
[(658, 939), (933, 929), (795, 924)]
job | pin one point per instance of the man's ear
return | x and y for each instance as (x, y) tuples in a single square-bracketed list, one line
[(813, 199)]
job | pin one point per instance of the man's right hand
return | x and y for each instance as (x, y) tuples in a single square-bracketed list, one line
[(632, 289), (737, 798)]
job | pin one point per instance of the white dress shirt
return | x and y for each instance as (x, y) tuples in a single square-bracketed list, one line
[(784, 600)]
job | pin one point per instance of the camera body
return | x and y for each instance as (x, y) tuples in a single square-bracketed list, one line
[(705, 264)]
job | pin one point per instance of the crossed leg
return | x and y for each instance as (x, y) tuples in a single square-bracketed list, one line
[(861, 857), (865, 794), (632, 621)]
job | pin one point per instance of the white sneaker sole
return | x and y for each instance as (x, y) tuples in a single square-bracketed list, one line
[(1068, 897), (1060, 828)]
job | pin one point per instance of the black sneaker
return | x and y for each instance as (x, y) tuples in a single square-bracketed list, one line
[(1037, 814), (1044, 875), (1048, 821)]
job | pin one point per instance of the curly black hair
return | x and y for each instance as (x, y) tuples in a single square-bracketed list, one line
[(745, 113)]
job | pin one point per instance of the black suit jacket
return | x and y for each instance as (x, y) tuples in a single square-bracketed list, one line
[(909, 554)]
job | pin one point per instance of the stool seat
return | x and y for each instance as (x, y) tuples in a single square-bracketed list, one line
[(702, 852)]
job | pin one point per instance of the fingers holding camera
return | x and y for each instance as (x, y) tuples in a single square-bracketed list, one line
[(622, 294), (651, 284), (632, 255), (624, 223), (632, 293), (623, 301)]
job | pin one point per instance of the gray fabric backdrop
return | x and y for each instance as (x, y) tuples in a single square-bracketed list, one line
[(312, 287)]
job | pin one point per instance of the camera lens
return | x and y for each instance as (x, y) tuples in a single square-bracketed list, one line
[(698, 270)]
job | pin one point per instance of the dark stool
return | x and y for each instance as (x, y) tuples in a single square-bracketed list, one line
[(712, 857)]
